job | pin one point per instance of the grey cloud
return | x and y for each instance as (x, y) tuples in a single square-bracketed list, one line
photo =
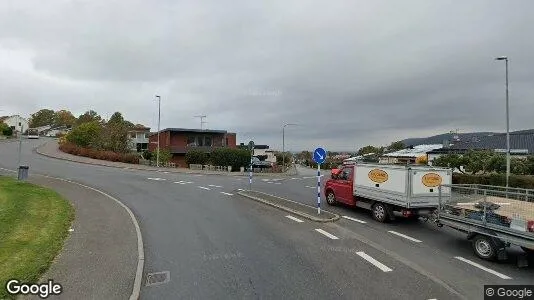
[(350, 73)]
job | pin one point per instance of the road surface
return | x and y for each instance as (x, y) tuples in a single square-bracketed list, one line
[(215, 244)]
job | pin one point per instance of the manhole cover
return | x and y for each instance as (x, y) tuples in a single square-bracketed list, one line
[(157, 278)]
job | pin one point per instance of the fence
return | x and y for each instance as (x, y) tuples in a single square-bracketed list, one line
[(491, 206), (153, 163)]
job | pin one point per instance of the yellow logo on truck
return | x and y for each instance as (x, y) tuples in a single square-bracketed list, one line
[(431, 180), (378, 175)]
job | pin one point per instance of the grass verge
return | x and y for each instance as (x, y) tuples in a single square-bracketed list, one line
[(34, 223)]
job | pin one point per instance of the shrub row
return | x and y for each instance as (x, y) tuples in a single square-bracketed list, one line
[(220, 157), (98, 154), (517, 181)]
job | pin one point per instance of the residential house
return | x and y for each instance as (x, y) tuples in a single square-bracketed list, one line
[(181, 140), (409, 155), (16, 122), (263, 150), (138, 138)]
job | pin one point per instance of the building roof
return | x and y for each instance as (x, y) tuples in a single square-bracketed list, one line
[(518, 140), (261, 146), (194, 130), (3, 118), (416, 151)]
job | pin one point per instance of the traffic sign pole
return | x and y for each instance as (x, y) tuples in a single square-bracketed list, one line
[(318, 189), (319, 156)]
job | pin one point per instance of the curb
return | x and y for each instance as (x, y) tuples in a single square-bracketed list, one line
[(290, 210), (132, 167), (140, 248)]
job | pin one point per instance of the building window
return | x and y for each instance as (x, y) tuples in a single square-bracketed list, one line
[(146, 135), (20, 124), (191, 141), (226, 142), (207, 141)]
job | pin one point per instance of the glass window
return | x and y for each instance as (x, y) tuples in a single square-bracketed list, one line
[(146, 135), (191, 141), (207, 141), (346, 173)]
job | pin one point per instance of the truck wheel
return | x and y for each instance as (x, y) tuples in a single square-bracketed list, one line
[(528, 250), (331, 198), (380, 212), (484, 247)]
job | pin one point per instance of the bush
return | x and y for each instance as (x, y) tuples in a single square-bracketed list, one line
[(5, 129), (230, 157), (97, 154), (196, 157), (85, 135), (517, 181)]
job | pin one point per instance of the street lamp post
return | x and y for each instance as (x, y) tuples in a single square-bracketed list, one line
[(284, 145), (505, 58), (159, 119)]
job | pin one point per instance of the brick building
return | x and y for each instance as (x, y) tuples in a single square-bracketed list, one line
[(181, 140)]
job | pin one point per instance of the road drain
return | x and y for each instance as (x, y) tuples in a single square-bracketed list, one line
[(157, 278)]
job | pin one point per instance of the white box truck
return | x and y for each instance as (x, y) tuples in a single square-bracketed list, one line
[(411, 190)]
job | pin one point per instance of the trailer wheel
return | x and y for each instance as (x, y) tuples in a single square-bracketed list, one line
[(484, 247), (528, 250), (331, 198), (380, 212)]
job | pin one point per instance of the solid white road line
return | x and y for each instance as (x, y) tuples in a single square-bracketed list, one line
[(277, 183), (227, 193), (373, 261), (156, 178), (212, 185), (294, 219), (311, 187), (270, 182), (474, 264), (240, 190), (204, 188), (355, 220), (327, 234), (405, 236)]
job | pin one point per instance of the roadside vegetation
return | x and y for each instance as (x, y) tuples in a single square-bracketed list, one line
[(34, 223)]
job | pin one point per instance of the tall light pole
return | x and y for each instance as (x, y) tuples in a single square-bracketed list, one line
[(202, 117), (159, 119), (284, 145), (505, 58)]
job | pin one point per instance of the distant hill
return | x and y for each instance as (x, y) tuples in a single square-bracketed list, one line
[(471, 136)]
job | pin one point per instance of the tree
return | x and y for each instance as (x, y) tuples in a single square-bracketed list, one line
[(88, 116), (368, 149), (115, 134), (5, 129), (453, 161), (42, 118), (530, 164), (64, 118), (395, 146), (86, 135)]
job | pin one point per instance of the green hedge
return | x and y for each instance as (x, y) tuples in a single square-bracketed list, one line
[(196, 157), (517, 181), (230, 157)]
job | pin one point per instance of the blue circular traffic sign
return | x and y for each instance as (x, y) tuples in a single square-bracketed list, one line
[(319, 155)]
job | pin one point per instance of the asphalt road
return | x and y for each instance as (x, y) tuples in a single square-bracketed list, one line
[(217, 245)]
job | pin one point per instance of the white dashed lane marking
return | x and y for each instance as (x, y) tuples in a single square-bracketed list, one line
[(374, 262), (405, 236), (227, 193), (217, 186), (156, 179), (311, 187), (295, 219), (474, 264), (204, 188), (329, 235), (355, 220)]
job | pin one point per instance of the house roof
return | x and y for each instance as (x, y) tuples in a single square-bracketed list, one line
[(518, 140), (416, 151)]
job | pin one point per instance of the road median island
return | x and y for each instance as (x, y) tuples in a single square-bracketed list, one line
[(34, 222), (303, 210)]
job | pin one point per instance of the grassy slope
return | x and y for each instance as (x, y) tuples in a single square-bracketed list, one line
[(34, 222)]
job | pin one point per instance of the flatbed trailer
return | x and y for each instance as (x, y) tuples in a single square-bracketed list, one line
[(493, 217)]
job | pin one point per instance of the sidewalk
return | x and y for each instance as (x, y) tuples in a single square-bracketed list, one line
[(51, 149), (99, 259)]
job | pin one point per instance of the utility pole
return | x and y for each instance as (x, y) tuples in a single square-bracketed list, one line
[(159, 119), (202, 117)]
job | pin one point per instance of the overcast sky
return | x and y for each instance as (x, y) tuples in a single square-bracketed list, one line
[(350, 73)]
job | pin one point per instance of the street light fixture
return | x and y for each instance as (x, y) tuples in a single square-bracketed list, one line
[(284, 145), (505, 58), (159, 119)]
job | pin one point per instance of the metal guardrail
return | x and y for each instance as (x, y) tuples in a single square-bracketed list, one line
[(507, 209)]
